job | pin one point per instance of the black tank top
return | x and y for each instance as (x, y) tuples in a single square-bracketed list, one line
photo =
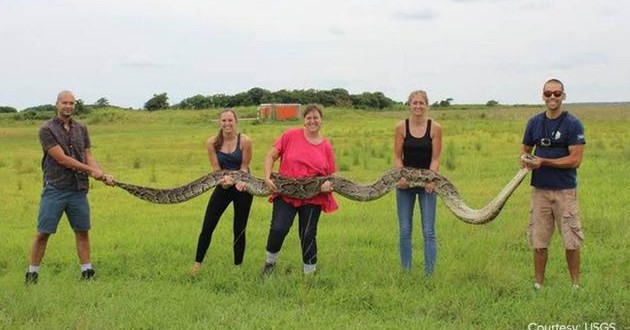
[(233, 160), (417, 151)]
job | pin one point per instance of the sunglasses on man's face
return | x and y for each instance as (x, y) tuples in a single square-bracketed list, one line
[(554, 93)]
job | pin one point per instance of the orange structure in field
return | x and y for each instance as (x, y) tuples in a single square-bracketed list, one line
[(279, 111)]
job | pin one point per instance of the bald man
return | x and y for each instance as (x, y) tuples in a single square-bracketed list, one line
[(67, 163)]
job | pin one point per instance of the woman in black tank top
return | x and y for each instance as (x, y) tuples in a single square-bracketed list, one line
[(228, 150), (418, 144)]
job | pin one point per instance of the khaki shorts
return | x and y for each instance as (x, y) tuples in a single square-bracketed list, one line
[(557, 207)]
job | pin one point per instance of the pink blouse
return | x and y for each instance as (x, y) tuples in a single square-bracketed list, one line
[(299, 158)]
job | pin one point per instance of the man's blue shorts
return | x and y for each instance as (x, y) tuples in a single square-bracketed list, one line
[(55, 202)]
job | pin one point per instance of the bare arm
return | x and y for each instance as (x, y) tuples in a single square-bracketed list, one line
[(573, 160), (64, 160), (212, 155), (91, 161), (270, 159), (399, 136), (246, 148), (437, 147), (326, 186)]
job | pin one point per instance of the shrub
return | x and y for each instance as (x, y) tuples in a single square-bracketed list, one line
[(492, 103), (157, 102), (7, 109)]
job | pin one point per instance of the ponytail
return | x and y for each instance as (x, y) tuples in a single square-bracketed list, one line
[(218, 140)]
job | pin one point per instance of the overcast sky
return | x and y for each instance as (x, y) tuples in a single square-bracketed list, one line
[(470, 50)]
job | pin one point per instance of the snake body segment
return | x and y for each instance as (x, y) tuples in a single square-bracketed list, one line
[(309, 187)]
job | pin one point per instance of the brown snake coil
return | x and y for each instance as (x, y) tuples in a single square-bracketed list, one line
[(306, 188)]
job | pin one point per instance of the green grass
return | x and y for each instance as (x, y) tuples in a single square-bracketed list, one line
[(143, 252)]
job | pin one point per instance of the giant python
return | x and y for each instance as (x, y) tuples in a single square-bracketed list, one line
[(309, 187)]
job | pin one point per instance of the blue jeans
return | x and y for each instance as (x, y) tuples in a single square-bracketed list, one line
[(405, 199)]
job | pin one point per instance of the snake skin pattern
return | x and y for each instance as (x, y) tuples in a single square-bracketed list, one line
[(309, 187)]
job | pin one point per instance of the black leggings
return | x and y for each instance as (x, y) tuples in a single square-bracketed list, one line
[(281, 222), (217, 204)]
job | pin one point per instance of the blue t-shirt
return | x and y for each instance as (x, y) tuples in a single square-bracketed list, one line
[(552, 138)]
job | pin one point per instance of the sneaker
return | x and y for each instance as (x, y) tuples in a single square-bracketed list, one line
[(575, 287), (309, 269), (31, 278), (268, 268), (537, 286), (88, 274)]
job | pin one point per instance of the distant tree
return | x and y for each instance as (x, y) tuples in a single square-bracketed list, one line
[(240, 99), (102, 103), (157, 102), (334, 97), (256, 95), (376, 100), (269, 98), (383, 101), (446, 103), (341, 97), (7, 109), (325, 98), (443, 103), (285, 96), (220, 100), (80, 108), (306, 96), (492, 103), (43, 107), (196, 102)]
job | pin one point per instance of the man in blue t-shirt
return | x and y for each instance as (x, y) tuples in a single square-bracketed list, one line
[(557, 140)]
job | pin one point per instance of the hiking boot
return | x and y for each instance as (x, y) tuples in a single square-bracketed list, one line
[(268, 268), (31, 278), (88, 274)]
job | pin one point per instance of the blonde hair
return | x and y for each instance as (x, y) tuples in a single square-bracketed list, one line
[(418, 93)]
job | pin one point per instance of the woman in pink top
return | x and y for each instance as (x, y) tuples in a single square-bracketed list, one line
[(303, 153)]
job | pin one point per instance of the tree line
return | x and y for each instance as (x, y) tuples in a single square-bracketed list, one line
[(338, 97)]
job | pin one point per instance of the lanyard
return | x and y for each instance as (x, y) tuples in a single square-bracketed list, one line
[(555, 130)]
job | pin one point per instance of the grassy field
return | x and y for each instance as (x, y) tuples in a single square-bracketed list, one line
[(143, 252)]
